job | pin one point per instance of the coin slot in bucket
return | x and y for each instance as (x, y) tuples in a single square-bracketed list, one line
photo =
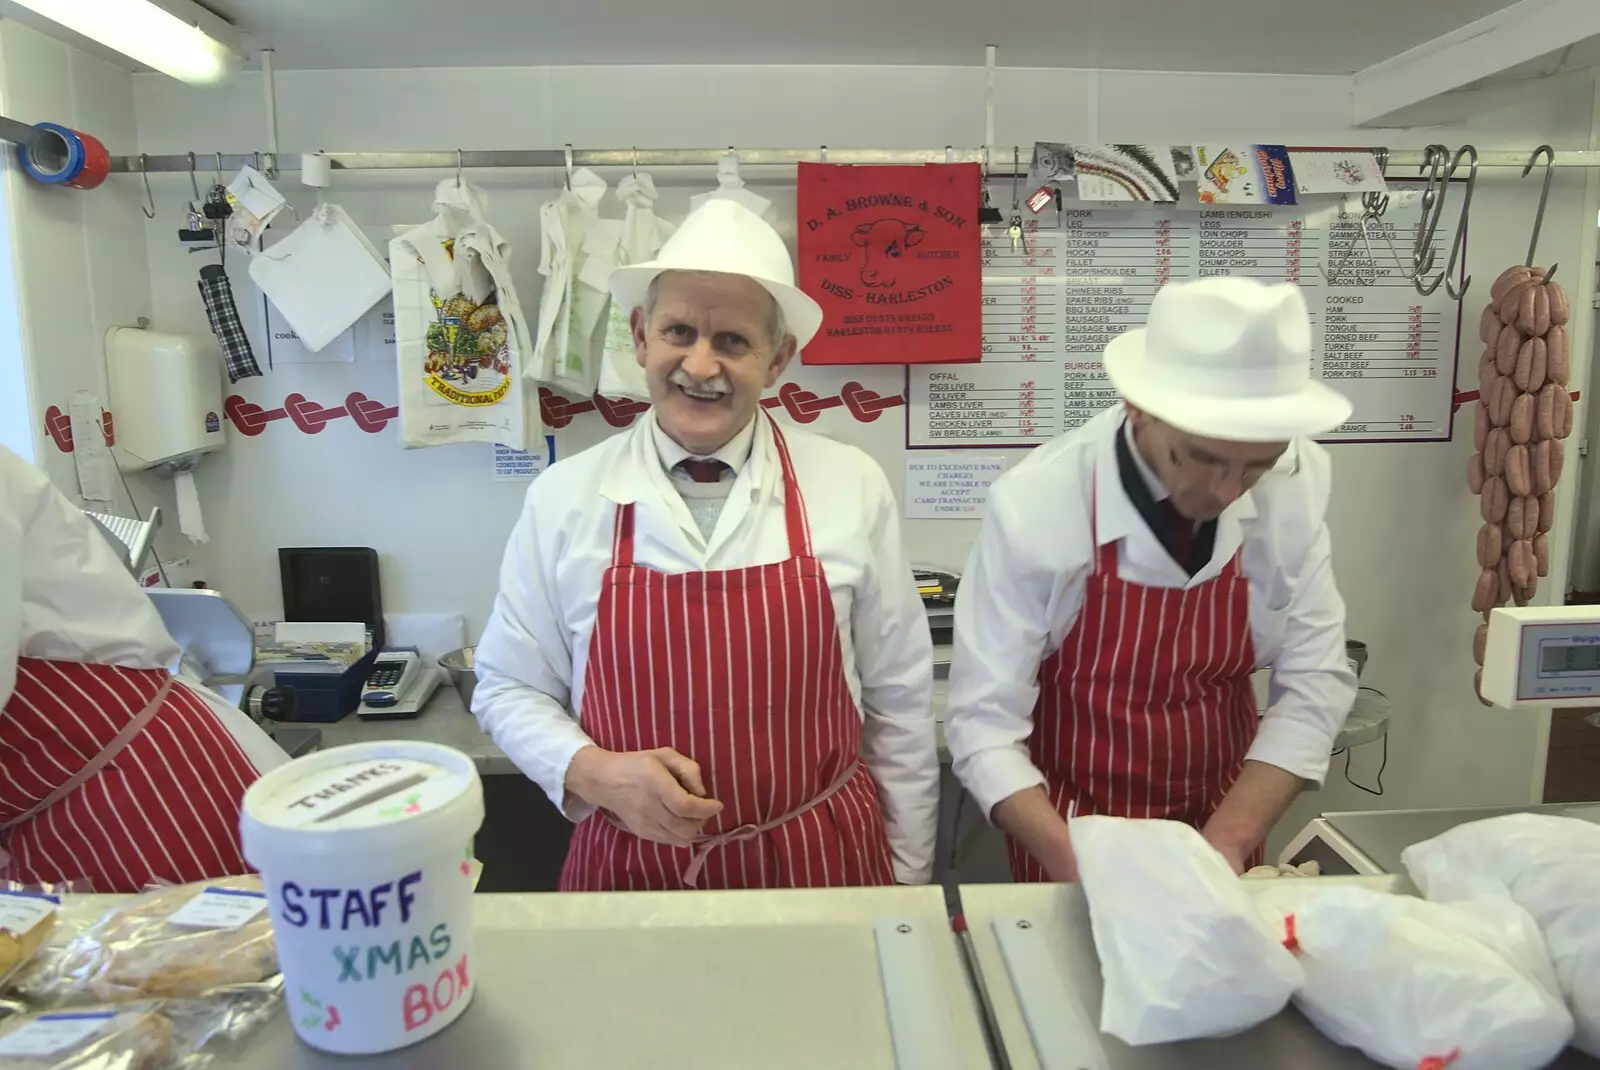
[(393, 788)]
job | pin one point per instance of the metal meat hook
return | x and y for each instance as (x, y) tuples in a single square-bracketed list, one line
[(1458, 241)]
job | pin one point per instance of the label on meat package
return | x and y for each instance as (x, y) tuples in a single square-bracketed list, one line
[(21, 911), (50, 1034), (219, 908)]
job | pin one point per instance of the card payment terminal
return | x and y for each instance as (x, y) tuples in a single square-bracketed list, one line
[(399, 685)]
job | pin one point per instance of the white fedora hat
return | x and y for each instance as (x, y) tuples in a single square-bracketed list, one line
[(1228, 359), (722, 235)]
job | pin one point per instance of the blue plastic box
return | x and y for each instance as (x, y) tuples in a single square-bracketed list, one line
[(323, 697)]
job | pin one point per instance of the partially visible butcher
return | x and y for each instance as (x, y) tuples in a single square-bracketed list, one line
[(1524, 412)]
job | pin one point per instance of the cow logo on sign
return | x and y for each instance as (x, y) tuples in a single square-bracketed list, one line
[(893, 256), (882, 243)]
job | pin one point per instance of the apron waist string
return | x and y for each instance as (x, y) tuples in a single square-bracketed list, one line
[(118, 743), (704, 845)]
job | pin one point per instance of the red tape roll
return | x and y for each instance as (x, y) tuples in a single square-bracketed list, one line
[(96, 163)]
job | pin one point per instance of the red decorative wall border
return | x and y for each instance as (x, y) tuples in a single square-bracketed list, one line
[(58, 425), (309, 417)]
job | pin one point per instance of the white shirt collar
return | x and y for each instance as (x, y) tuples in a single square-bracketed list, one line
[(1152, 482), (734, 453), (642, 474), (1116, 516)]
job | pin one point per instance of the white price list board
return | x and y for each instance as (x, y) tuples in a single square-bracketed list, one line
[(1052, 304), (1376, 340), (1114, 266), (1012, 397)]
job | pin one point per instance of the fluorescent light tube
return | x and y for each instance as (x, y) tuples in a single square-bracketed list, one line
[(145, 32)]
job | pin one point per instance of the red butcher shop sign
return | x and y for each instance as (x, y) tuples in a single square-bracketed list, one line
[(894, 256)]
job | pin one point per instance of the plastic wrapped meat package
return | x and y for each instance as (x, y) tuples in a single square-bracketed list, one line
[(171, 1034), (132, 1037), (1412, 983), (1184, 951), (137, 951), (1548, 865), (26, 920)]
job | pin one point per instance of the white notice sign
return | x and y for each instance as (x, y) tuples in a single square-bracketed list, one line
[(511, 465), (950, 486), (90, 454), (375, 334)]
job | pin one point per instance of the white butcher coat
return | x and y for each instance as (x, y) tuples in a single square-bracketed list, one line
[(533, 654), (1026, 577), (65, 596)]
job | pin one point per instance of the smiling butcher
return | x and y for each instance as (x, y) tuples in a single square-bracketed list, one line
[(708, 647)]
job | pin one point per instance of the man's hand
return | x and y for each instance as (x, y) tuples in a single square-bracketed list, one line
[(1060, 863), (1042, 831), (1247, 813), (1233, 851), (657, 794)]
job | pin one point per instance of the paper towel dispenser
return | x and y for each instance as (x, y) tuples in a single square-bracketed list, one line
[(166, 397)]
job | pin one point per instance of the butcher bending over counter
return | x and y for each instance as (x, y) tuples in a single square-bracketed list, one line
[(113, 770), (1133, 573)]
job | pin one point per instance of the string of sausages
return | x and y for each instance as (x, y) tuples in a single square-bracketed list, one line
[(1524, 413)]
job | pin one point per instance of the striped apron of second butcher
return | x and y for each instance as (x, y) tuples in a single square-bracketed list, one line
[(742, 671), (1146, 710), (88, 793)]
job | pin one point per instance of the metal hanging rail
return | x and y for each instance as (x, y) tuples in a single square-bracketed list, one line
[(559, 158)]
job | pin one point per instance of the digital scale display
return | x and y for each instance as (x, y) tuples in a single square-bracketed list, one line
[(1564, 658), (1542, 656)]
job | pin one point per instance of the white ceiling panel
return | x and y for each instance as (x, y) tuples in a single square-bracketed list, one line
[(1278, 36)]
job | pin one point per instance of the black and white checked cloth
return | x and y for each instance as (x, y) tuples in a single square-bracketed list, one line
[(217, 294)]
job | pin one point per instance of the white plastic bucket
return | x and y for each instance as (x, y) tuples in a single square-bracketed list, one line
[(366, 855)]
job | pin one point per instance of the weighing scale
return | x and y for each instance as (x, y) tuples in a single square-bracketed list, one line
[(1535, 656), (1543, 656)]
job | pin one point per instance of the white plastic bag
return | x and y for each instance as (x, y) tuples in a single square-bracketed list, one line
[(460, 337), (322, 277), (1184, 951), (637, 239), (1548, 865), (566, 346), (1413, 983)]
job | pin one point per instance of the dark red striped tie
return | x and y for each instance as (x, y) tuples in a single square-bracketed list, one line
[(1180, 533), (702, 471)]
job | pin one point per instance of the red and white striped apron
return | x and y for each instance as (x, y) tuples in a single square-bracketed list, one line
[(119, 776), (742, 671), (1146, 710)]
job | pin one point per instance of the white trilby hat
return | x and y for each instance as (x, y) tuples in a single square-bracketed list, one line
[(722, 235), (1228, 359)]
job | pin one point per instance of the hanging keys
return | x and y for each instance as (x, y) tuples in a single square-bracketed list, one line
[(1014, 225)]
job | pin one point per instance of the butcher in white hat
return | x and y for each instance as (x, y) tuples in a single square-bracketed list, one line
[(708, 646), (1133, 573)]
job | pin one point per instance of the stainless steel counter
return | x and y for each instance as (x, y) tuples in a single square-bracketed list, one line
[(1066, 959), (1371, 841), (443, 720), (702, 980)]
